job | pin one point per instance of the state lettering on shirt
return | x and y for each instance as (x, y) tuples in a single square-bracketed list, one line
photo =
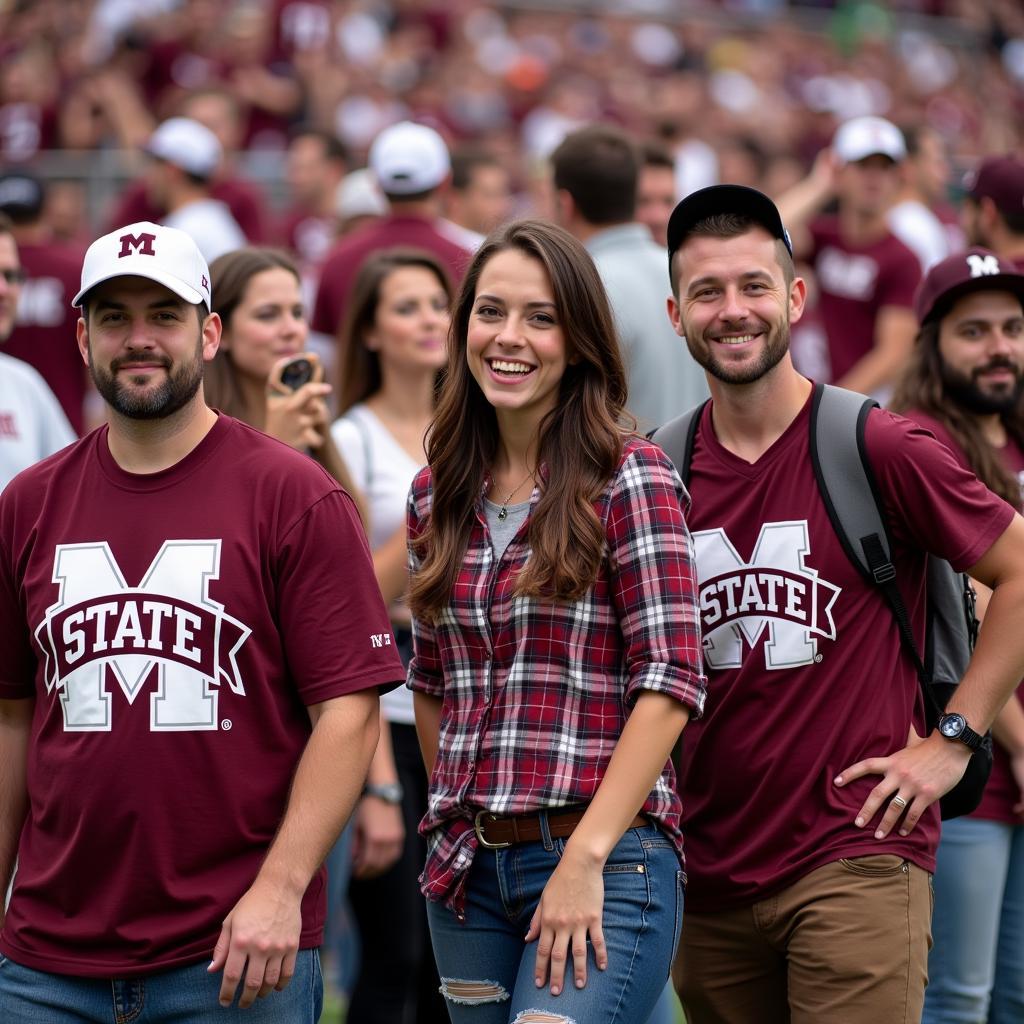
[(775, 590), (168, 623)]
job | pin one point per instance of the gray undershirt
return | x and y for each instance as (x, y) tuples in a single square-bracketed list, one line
[(503, 530)]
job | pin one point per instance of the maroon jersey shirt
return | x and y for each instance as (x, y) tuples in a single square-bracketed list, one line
[(44, 336), (806, 674), (172, 629), (345, 259), (854, 283), (1002, 791)]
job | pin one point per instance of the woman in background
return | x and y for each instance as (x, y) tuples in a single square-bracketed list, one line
[(392, 352)]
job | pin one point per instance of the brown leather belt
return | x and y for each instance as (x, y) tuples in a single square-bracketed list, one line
[(496, 832)]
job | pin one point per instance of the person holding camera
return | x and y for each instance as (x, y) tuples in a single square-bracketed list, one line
[(261, 373)]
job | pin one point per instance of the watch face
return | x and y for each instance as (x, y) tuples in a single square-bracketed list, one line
[(952, 725)]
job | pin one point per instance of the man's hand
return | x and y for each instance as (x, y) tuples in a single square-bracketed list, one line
[(912, 779), (262, 928), (380, 833)]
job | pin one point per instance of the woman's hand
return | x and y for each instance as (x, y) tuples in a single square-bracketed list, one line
[(299, 418), (571, 908)]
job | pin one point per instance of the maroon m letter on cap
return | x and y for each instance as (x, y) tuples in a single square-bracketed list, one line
[(142, 243)]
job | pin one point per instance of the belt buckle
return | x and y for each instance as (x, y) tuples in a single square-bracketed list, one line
[(478, 829)]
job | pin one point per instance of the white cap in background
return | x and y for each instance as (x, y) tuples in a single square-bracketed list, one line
[(862, 137), (409, 158), (186, 144)]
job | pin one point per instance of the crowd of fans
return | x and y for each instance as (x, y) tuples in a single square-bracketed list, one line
[(886, 135)]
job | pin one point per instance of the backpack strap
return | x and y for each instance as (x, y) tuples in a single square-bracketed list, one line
[(852, 500), (676, 439)]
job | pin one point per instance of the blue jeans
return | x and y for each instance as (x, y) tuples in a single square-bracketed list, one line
[(184, 995), (487, 971), (976, 966)]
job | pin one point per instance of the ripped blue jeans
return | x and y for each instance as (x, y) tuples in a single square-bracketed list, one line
[(486, 967)]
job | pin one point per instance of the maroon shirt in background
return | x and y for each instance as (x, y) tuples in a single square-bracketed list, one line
[(245, 200), (345, 259), (1002, 791), (854, 283), (806, 674), (44, 336), (187, 618)]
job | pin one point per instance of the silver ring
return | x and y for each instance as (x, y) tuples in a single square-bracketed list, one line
[(899, 801)]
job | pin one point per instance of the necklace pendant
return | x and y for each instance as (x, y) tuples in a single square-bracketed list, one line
[(503, 513)]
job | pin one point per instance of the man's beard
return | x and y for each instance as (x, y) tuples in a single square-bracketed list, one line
[(177, 390), (964, 389), (776, 345)]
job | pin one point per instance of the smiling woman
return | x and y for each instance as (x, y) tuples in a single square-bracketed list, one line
[(556, 653)]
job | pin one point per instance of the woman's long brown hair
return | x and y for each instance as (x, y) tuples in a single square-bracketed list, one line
[(580, 440), (230, 275), (921, 389)]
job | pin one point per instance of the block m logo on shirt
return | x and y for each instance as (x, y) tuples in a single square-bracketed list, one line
[(774, 590), (168, 622)]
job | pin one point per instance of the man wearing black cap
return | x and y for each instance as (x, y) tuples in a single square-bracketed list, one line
[(965, 384), (809, 785)]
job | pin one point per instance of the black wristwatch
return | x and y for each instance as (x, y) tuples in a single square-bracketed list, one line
[(955, 727), (389, 792)]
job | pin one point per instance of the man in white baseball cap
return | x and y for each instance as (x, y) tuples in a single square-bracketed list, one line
[(185, 155), (411, 166), (182, 739), (866, 276)]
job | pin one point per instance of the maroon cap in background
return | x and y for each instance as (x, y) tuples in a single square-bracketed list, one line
[(975, 270), (1001, 179)]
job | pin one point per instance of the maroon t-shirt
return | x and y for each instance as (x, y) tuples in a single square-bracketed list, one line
[(172, 628), (1002, 791), (245, 200), (806, 674), (345, 259), (44, 336), (854, 283)]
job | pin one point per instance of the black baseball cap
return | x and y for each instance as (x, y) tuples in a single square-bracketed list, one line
[(21, 196), (715, 199)]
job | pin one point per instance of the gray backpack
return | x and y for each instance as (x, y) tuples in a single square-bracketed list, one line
[(848, 488)]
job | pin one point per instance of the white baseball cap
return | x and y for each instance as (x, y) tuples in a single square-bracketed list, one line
[(165, 255), (186, 144), (862, 137), (359, 195), (409, 158)]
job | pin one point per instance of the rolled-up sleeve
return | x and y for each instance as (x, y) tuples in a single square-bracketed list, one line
[(653, 580)]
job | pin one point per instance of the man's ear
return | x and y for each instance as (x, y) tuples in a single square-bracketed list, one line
[(82, 336)]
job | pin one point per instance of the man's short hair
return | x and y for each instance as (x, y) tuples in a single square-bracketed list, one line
[(6, 224), (465, 160), (334, 148), (731, 225), (599, 166), (654, 154)]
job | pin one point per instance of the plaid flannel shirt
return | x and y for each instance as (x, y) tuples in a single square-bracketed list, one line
[(536, 693)]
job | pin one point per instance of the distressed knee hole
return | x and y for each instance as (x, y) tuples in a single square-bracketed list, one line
[(471, 993), (540, 1017)]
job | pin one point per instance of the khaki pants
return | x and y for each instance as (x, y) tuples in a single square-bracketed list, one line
[(847, 944)]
